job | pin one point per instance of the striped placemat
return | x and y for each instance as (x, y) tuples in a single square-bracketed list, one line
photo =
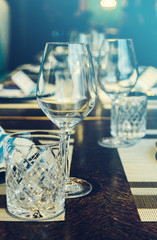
[(5, 216), (140, 166)]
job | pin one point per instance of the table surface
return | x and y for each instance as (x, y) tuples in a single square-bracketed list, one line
[(109, 211)]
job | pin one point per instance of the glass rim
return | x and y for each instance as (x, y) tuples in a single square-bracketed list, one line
[(67, 43), (137, 94), (118, 39), (26, 134)]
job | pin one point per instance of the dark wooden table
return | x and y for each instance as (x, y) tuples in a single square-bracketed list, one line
[(109, 211)]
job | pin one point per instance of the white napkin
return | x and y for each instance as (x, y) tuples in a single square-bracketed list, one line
[(2, 135), (24, 86)]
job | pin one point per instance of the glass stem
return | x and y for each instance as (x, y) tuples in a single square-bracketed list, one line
[(115, 115), (66, 155)]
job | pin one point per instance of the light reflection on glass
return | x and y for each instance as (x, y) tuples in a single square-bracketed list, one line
[(80, 133)]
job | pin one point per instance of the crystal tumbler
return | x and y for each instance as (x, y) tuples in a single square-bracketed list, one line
[(132, 113), (35, 175)]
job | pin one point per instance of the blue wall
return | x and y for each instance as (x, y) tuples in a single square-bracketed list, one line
[(33, 23)]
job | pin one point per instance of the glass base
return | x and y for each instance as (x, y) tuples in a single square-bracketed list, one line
[(117, 143), (36, 215), (77, 187)]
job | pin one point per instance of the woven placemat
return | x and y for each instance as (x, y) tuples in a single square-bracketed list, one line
[(140, 166)]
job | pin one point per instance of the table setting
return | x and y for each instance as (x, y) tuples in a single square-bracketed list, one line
[(66, 103), (115, 186)]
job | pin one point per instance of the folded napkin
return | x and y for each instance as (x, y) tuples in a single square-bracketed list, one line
[(147, 80), (17, 84), (2, 135)]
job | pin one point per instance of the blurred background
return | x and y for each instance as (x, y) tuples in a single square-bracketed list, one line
[(26, 25)]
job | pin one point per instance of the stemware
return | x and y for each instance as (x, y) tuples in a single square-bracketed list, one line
[(117, 75), (94, 39), (66, 93)]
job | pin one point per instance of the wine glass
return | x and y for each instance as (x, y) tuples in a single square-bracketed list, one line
[(94, 39), (117, 75), (66, 93)]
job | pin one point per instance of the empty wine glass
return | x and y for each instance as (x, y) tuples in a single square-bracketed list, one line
[(66, 93), (117, 75), (94, 39)]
